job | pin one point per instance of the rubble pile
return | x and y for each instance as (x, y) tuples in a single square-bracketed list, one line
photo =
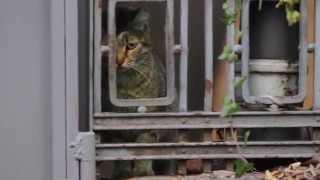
[(295, 171)]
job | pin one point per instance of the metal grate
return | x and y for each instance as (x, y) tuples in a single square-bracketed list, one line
[(104, 121)]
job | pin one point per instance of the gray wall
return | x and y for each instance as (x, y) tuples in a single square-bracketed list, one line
[(25, 90)]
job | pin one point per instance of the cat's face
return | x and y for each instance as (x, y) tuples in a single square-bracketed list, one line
[(135, 42), (130, 48)]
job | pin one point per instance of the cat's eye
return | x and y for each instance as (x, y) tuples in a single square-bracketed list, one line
[(131, 46)]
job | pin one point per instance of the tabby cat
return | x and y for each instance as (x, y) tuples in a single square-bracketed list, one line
[(139, 75)]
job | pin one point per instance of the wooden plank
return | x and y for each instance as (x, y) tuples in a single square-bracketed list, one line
[(308, 103)]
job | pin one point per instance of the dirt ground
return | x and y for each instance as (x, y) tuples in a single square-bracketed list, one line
[(308, 170)]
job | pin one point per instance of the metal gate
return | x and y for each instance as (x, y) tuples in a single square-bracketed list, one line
[(205, 120)]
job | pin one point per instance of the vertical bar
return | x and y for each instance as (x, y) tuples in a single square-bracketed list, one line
[(72, 87), (170, 49), (91, 62), (246, 50), (208, 55), (231, 43), (317, 60), (308, 102), (112, 57), (182, 164), (207, 163), (184, 23), (316, 106), (58, 94), (303, 53), (97, 56), (88, 161)]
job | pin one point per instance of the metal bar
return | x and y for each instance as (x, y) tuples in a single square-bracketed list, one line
[(91, 63), (71, 80), (208, 55), (184, 23), (97, 57), (201, 113), (207, 121), (303, 54), (245, 50), (231, 43), (170, 64), (223, 150), (317, 60), (88, 162), (141, 0), (58, 95)]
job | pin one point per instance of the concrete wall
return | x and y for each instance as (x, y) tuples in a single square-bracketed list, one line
[(25, 90)]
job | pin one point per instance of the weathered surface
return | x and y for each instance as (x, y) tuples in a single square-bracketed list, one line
[(215, 175)]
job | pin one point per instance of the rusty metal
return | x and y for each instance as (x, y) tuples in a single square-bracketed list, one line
[(170, 68), (317, 60), (203, 120), (223, 150), (303, 53)]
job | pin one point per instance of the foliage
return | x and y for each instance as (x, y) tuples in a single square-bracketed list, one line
[(229, 107), (293, 15), (241, 167), (239, 81), (230, 16), (228, 54)]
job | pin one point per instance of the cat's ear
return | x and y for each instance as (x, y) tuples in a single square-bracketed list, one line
[(141, 21)]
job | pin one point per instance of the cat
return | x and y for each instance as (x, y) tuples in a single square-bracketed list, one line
[(139, 75)]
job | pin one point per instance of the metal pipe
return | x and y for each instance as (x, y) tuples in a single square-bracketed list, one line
[(317, 60)]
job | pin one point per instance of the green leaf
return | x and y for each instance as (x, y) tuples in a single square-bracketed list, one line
[(239, 81), (228, 54), (229, 107), (230, 15), (241, 167)]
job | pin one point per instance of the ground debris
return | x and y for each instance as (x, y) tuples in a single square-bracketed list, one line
[(308, 170), (215, 175)]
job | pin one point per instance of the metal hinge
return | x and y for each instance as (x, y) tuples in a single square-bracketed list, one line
[(83, 147)]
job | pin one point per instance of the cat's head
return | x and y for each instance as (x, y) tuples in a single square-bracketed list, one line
[(134, 42)]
